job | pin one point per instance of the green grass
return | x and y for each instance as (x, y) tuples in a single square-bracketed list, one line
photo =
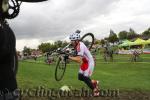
[(120, 74)]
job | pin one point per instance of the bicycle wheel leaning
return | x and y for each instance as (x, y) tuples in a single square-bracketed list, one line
[(60, 68), (88, 40)]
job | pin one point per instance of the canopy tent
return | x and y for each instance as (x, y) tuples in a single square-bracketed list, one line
[(148, 41), (138, 41), (126, 43)]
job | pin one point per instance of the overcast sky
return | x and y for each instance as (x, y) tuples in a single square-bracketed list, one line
[(56, 19)]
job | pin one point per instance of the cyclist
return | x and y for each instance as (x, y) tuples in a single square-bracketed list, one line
[(84, 57), (135, 55)]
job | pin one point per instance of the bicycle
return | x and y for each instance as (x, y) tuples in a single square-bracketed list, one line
[(62, 63)]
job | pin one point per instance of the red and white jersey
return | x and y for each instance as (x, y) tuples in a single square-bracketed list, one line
[(87, 58)]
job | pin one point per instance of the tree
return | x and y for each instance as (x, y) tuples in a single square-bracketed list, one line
[(26, 51), (131, 31), (112, 37), (146, 33), (65, 43), (102, 42), (47, 47), (122, 35), (111, 33), (132, 34), (58, 43), (44, 47)]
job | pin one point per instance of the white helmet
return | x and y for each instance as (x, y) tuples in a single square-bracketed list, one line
[(74, 36)]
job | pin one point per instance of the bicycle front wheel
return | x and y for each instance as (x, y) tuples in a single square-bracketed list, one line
[(60, 69)]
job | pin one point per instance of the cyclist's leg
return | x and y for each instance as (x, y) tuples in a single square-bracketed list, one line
[(138, 57), (111, 56), (84, 75), (105, 58), (133, 57), (86, 80), (95, 83)]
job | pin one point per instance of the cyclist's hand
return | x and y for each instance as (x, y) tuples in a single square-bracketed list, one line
[(66, 57)]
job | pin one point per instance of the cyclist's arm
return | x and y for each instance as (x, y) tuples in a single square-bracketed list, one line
[(77, 59)]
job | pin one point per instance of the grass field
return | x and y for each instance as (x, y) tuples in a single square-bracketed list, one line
[(121, 74)]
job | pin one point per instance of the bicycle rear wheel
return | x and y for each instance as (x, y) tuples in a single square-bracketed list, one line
[(60, 69), (88, 40)]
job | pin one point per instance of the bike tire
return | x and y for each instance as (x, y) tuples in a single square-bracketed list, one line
[(58, 75), (92, 36)]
